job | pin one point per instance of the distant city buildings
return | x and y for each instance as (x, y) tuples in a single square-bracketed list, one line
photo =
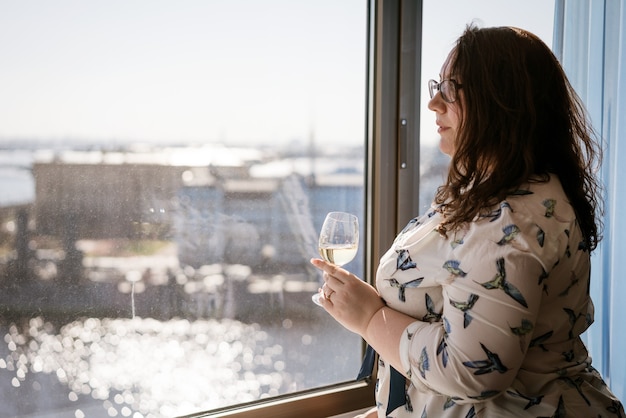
[(216, 204)]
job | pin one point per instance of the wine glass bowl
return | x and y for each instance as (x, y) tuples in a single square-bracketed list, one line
[(339, 240)]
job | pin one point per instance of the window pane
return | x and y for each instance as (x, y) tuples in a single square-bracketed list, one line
[(440, 32), (165, 168)]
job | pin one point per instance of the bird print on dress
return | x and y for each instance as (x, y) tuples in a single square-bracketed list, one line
[(453, 266), (412, 224), (560, 410), (573, 282), (403, 286), (541, 236), (615, 408), (568, 251), (471, 413), (568, 355), (532, 400), (456, 242), (538, 341), (495, 214), (522, 331), (423, 364), (451, 401), (576, 383), (499, 282), (485, 394), (573, 318), (489, 365), (542, 277), (409, 335), (431, 316), (408, 406), (442, 348), (549, 204), (404, 262), (510, 232), (465, 307)]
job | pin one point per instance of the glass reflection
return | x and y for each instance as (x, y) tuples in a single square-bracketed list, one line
[(164, 171)]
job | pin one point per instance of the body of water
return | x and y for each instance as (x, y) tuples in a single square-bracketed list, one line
[(141, 367)]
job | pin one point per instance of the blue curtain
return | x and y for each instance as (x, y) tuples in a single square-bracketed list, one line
[(590, 41)]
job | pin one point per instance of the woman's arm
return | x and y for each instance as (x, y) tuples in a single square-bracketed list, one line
[(357, 306), (474, 352)]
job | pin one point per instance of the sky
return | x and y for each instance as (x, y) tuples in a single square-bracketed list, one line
[(236, 71)]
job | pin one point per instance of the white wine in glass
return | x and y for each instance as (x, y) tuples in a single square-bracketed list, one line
[(339, 240), (338, 254)]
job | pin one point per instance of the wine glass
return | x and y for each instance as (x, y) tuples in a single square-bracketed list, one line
[(339, 240)]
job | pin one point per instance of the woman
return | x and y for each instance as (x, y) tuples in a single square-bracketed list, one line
[(480, 303)]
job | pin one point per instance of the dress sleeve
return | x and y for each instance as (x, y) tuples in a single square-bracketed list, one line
[(491, 290)]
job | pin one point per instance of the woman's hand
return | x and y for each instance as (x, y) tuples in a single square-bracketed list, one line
[(348, 299)]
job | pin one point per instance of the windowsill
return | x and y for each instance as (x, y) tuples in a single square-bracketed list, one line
[(324, 403), (351, 414)]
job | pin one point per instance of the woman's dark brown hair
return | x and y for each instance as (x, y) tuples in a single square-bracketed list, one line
[(522, 121)]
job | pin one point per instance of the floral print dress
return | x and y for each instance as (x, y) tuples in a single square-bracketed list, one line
[(499, 309)]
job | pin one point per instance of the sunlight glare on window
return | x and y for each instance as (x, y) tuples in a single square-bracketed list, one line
[(164, 172)]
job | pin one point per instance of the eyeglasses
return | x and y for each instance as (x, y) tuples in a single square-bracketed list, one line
[(447, 88)]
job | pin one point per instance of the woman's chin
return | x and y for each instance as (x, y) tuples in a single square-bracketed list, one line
[(446, 147)]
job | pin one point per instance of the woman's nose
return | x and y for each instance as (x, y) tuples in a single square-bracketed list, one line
[(436, 104)]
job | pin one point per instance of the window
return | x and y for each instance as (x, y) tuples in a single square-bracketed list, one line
[(165, 169), (178, 161)]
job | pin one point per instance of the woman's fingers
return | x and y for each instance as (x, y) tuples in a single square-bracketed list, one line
[(348, 299), (331, 271), (327, 291), (333, 281)]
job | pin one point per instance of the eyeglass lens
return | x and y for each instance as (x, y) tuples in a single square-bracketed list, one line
[(447, 88)]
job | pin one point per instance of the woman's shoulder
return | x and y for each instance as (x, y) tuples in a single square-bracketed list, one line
[(543, 200), (535, 218)]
